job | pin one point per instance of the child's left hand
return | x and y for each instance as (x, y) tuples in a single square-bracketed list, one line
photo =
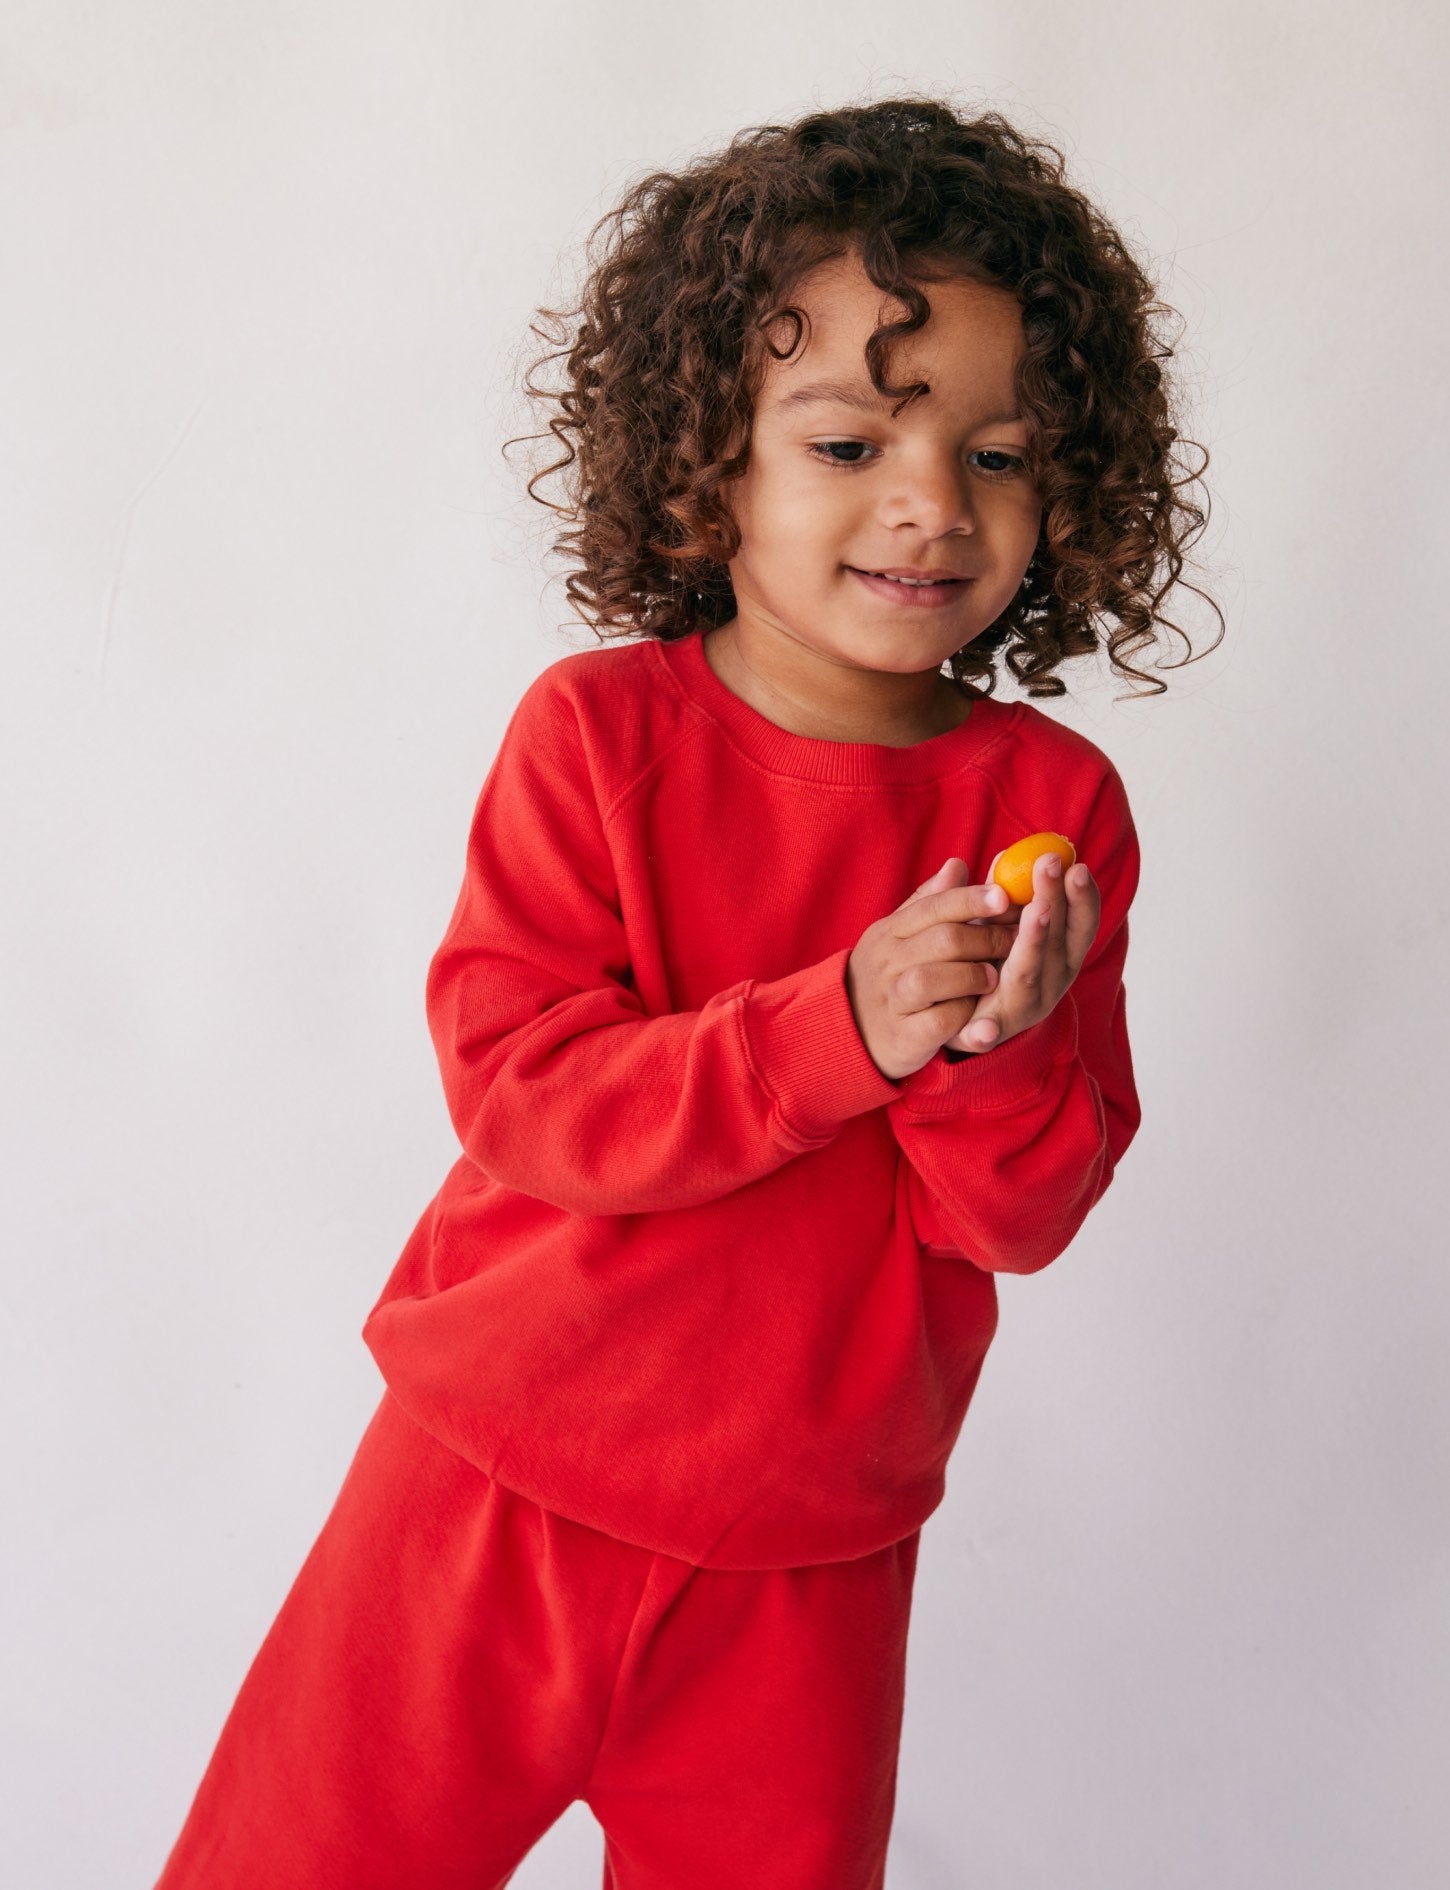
[(1054, 931)]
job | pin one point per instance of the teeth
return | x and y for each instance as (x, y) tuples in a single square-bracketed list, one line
[(916, 581)]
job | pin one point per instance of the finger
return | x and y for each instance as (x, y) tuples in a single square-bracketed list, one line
[(982, 1030), (953, 905), (944, 876), (1037, 914), (1008, 920), (1010, 911), (1050, 873), (943, 981), (995, 1016), (1084, 915), (1019, 992), (973, 939)]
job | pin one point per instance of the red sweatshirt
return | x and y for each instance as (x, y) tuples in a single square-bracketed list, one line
[(703, 1278)]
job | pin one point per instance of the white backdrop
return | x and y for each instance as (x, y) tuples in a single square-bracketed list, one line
[(269, 591)]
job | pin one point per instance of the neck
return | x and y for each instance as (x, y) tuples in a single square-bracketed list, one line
[(792, 687)]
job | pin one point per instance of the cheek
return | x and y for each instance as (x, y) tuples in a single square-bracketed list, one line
[(1018, 529), (765, 494), (789, 513), (1032, 523)]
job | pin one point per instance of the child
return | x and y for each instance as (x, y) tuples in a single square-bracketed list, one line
[(759, 1083)]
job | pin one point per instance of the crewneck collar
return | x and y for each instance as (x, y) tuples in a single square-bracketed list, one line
[(807, 757)]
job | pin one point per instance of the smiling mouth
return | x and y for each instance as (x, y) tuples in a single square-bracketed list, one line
[(910, 584)]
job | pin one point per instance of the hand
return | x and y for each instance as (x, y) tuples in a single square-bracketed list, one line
[(915, 978), (1054, 931)]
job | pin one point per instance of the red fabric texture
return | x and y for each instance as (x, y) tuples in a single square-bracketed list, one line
[(703, 1278), (453, 1666)]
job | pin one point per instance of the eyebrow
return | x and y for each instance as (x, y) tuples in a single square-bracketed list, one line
[(858, 394)]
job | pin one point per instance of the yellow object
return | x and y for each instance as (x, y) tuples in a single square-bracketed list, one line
[(1013, 870)]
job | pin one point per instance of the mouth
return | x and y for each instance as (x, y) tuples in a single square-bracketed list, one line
[(922, 593)]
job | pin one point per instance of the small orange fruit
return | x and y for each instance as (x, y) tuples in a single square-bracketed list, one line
[(1013, 870)]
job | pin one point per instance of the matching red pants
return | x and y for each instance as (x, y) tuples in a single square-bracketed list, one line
[(453, 1666)]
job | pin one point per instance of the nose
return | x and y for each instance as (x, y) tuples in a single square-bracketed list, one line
[(932, 496)]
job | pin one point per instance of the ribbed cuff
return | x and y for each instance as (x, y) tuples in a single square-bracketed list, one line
[(806, 1050), (995, 1079)]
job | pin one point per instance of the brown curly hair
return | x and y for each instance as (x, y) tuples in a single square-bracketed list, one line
[(668, 356)]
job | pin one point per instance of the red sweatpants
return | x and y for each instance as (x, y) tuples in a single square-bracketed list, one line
[(454, 1665)]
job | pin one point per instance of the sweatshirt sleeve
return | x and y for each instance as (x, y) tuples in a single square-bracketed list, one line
[(1010, 1148), (558, 1082)]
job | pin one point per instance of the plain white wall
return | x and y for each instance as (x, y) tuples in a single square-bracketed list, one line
[(269, 591)]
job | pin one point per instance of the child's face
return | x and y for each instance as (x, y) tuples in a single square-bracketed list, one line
[(833, 489)]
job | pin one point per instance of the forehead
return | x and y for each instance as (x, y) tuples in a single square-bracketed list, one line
[(968, 349)]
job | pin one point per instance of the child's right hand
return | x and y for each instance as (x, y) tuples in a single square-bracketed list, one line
[(915, 976)]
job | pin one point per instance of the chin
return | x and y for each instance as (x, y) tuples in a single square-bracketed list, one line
[(892, 660)]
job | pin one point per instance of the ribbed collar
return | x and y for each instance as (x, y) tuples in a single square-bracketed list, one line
[(810, 759)]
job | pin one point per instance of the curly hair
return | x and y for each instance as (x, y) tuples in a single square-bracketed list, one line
[(669, 354)]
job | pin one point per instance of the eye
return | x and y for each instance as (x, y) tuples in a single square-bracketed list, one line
[(820, 450), (1009, 466), (1014, 466)]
